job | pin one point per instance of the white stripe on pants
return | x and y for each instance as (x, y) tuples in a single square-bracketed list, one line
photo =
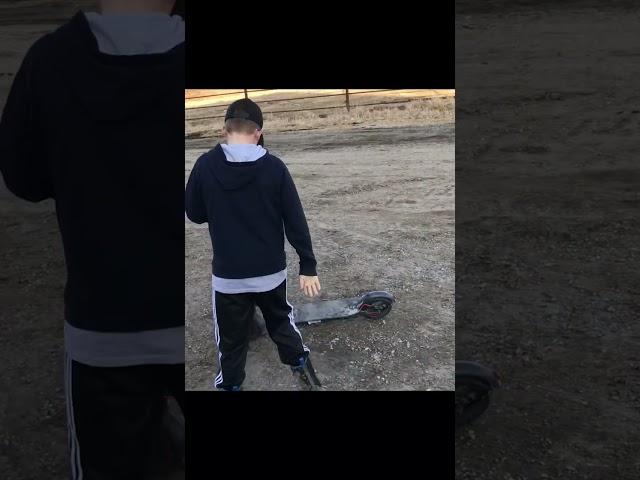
[(291, 319), (76, 464), (216, 333)]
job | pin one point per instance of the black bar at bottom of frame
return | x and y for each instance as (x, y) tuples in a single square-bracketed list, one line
[(236, 428)]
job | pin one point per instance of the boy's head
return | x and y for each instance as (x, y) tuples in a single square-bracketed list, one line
[(243, 123)]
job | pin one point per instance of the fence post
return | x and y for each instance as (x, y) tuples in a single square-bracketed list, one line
[(347, 97), (246, 94)]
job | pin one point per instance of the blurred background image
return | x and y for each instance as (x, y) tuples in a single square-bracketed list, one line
[(40, 437)]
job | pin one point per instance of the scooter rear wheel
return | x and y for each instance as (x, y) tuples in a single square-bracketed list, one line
[(472, 398), (375, 308)]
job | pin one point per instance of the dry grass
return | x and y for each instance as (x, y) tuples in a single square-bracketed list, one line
[(218, 97), (415, 111)]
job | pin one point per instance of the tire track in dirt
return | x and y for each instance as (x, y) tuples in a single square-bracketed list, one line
[(369, 187)]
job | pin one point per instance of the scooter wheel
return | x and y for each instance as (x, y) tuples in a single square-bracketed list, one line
[(375, 308), (472, 398)]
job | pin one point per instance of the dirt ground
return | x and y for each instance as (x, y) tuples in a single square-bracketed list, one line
[(380, 208), (547, 218)]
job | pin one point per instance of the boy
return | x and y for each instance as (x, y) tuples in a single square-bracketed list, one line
[(250, 202), (94, 121)]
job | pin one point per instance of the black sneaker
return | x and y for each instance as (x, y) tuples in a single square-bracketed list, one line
[(235, 388)]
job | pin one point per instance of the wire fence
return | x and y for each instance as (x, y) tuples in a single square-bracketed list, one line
[(344, 100)]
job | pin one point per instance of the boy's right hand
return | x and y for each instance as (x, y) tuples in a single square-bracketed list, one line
[(310, 285)]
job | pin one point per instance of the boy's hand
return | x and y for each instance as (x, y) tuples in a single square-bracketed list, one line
[(310, 285)]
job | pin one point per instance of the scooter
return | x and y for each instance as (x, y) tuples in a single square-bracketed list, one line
[(372, 305)]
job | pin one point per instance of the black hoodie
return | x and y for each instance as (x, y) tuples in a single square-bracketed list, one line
[(103, 136), (249, 206)]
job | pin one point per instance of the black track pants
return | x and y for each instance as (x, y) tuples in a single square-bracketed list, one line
[(114, 416), (232, 316)]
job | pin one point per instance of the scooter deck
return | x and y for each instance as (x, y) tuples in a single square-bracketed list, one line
[(316, 312), (375, 304)]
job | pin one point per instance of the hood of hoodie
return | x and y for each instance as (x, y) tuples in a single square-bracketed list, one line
[(242, 152), (233, 175), (116, 88), (136, 34)]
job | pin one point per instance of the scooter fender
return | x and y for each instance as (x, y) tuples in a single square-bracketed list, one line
[(475, 370)]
